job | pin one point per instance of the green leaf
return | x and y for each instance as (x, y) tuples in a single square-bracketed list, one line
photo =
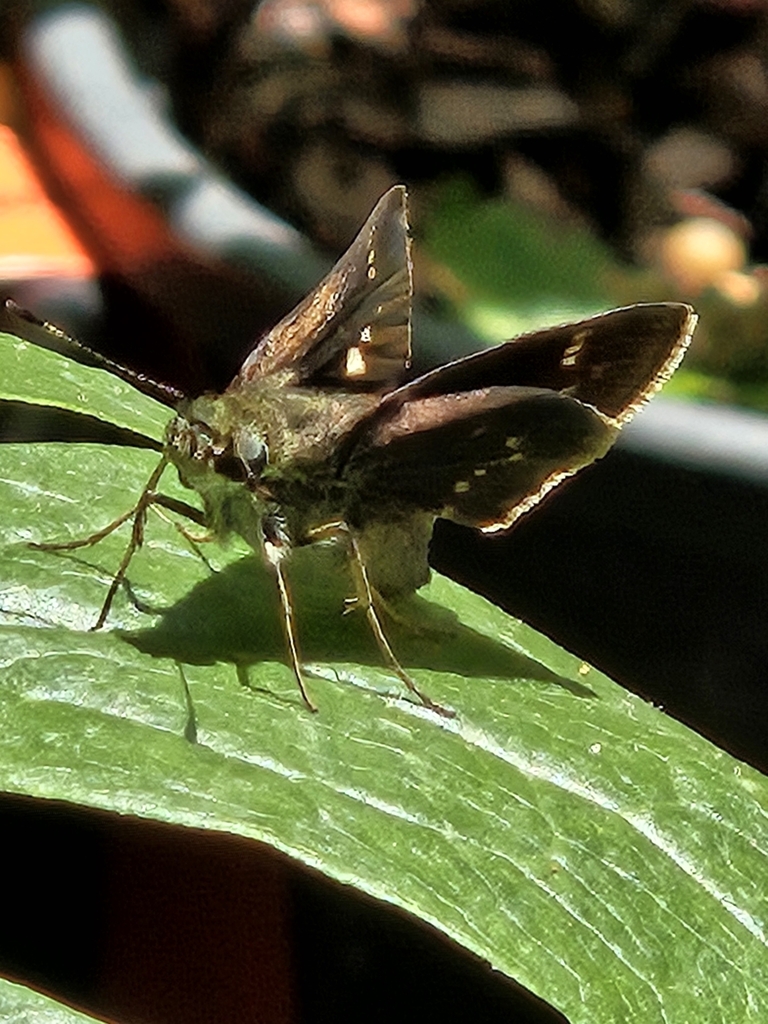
[(521, 270), (20, 1005), (587, 845), (36, 375)]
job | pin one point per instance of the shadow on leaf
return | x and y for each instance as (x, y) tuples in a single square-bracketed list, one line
[(234, 616)]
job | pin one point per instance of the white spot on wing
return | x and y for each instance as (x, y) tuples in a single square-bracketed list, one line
[(571, 354), (355, 364), (461, 486)]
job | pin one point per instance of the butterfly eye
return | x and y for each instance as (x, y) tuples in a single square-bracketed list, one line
[(252, 452)]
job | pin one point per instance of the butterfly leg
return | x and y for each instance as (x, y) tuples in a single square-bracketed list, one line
[(139, 515), (194, 515), (365, 600), (276, 547), (147, 497), (89, 541)]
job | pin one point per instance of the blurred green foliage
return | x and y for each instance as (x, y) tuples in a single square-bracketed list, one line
[(519, 270)]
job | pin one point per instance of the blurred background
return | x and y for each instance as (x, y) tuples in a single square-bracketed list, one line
[(561, 159), (175, 174)]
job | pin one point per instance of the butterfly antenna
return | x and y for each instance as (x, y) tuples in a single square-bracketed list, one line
[(20, 321)]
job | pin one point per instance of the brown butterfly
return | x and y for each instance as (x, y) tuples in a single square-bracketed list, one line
[(318, 438)]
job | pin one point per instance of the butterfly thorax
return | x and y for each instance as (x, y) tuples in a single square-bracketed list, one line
[(301, 426), (282, 442)]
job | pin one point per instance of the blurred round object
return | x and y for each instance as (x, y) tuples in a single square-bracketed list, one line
[(735, 93), (739, 288), (307, 23), (290, 23), (377, 21), (688, 158), (697, 252)]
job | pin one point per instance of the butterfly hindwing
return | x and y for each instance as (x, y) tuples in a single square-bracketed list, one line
[(480, 457)]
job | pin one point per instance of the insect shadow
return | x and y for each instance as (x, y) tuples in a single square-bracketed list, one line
[(233, 617)]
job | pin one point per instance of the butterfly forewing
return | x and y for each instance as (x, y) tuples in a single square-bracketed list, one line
[(355, 327), (613, 362)]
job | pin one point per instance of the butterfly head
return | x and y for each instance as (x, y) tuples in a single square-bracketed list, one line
[(199, 447)]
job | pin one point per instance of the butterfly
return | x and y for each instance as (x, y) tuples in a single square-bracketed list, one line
[(321, 436)]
